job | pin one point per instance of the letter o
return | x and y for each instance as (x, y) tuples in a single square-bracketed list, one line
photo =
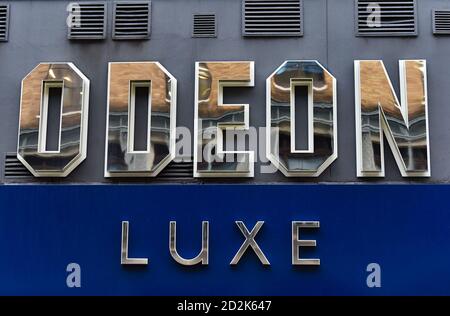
[(322, 123), (72, 146)]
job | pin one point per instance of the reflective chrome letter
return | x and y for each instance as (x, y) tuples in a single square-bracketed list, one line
[(297, 243), (32, 150), (404, 123), (212, 117), (202, 257), (121, 158), (250, 241), (322, 134), (124, 249)]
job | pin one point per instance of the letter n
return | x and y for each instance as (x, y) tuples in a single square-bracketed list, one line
[(404, 123)]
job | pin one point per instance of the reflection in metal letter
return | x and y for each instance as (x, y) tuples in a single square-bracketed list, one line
[(405, 123), (212, 117), (202, 257), (72, 147), (322, 134), (297, 243), (250, 241), (121, 158), (124, 260)]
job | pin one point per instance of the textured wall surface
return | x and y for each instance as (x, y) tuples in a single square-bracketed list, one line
[(38, 33)]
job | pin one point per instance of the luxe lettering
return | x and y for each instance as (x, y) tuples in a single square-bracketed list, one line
[(249, 242)]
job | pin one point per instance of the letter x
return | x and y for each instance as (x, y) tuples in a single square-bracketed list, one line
[(250, 241)]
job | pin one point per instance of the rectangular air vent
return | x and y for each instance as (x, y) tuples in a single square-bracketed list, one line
[(178, 171), (132, 20), (272, 18), (88, 20), (386, 18), (441, 21), (4, 22), (14, 169), (204, 25)]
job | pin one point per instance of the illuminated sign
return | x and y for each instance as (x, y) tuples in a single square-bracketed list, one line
[(378, 112)]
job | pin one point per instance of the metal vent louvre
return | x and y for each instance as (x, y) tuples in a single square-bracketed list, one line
[(89, 20), (441, 21), (272, 18), (178, 170), (4, 22), (386, 18), (14, 169), (204, 25), (132, 20)]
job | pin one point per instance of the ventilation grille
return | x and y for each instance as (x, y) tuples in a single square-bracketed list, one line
[(386, 18), (88, 20), (14, 169), (441, 21), (204, 25), (4, 22), (132, 20), (272, 18), (178, 171)]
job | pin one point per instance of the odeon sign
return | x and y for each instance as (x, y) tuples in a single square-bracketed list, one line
[(378, 112)]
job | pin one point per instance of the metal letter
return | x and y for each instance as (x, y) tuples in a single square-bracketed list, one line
[(297, 243), (379, 112), (322, 112), (212, 117), (31, 149), (202, 257), (124, 249), (121, 158), (250, 241)]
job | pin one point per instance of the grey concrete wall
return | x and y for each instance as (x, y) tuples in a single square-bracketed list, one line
[(38, 34)]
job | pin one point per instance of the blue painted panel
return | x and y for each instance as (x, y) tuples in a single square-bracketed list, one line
[(405, 229)]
